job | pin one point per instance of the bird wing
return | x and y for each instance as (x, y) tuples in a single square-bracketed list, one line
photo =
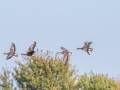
[(88, 43), (64, 49), (9, 56), (85, 44), (88, 53), (12, 48), (31, 48), (65, 58)]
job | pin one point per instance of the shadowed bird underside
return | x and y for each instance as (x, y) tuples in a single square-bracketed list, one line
[(31, 51)]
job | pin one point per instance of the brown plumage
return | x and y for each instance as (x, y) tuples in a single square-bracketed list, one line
[(30, 51), (86, 47), (66, 54), (12, 52)]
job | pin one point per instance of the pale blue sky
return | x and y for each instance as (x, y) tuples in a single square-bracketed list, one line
[(67, 23)]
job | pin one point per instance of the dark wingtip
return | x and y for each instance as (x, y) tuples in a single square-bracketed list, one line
[(12, 43), (91, 42), (34, 42), (61, 47)]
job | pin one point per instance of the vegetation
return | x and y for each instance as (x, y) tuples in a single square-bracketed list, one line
[(93, 81), (45, 72), (5, 82)]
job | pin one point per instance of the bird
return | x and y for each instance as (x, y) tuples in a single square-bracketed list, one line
[(66, 54), (30, 51), (86, 47), (12, 52)]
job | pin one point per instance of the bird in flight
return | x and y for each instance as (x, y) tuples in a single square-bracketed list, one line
[(12, 52), (66, 54), (30, 51), (86, 47)]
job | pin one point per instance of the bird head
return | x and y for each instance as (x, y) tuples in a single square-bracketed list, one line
[(5, 53)]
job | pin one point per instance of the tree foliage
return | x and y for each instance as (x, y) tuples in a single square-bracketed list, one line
[(44, 72), (5, 82), (93, 81)]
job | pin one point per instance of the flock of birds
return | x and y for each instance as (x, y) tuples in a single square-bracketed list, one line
[(65, 52)]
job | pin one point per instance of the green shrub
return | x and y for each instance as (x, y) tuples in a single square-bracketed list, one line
[(45, 72), (97, 82), (5, 82)]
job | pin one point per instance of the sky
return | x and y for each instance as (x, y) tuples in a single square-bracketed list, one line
[(64, 23)]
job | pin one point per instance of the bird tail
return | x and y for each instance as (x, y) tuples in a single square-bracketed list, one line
[(33, 55), (16, 55), (90, 49), (70, 53)]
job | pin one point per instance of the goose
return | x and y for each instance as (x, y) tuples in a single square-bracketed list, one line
[(86, 47), (30, 51), (12, 52), (66, 54)]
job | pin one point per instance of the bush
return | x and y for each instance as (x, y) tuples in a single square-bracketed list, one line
[(97, 82), (5, 82), (45, 72)]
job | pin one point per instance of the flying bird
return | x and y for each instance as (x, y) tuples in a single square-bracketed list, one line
[(66, 54), (30, 51), (86, 47), (12, 52)]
